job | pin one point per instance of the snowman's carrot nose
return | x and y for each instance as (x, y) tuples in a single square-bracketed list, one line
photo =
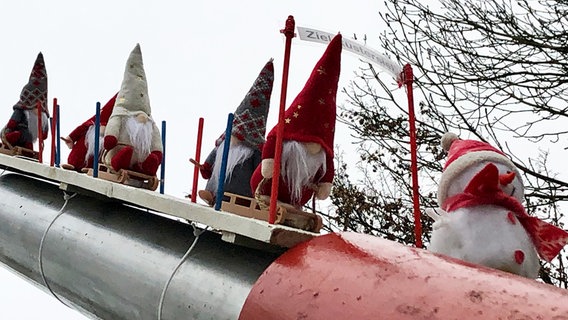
[(506, 178)]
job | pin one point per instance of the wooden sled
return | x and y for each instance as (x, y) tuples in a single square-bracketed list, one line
[(20, 152), (285, 214), (127, 177), (67, 166)]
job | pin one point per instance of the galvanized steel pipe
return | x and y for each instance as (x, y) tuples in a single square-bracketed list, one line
[(111, 261)]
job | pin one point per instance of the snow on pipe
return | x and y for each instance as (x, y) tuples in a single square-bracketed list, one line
[(109, 260), (357, 276)]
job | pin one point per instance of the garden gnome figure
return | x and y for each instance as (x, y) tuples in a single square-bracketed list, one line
[(309, 127), (22, 128), (132, 139), (247, 139)]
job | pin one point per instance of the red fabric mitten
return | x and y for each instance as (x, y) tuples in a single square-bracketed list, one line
[(151, 164), (110, 142), (206, 170), (12, 124)]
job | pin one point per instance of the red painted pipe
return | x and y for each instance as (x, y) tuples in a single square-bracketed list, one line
[(357, 276)]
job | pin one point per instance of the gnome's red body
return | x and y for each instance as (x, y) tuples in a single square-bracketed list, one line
[(22, 128), (309, 119), (78, 156)]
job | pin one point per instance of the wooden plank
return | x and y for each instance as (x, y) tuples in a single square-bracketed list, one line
[(166, 204)]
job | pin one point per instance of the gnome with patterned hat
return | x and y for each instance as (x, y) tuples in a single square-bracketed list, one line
[(247, 139), (482, 219), (309, 127), (22, 128), (81, 140), (132, 139)]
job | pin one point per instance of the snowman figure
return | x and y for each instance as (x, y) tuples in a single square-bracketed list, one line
[(482, 219)]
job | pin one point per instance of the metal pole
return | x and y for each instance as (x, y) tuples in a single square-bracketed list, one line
[(58, 140), (408, 79), (39, 133), (163, 167), (97, 138), (53, 129), (197, 160), (222, 172), (288, 32)]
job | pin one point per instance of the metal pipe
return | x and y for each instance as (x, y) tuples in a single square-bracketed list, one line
[(358, 276), (110, 260)]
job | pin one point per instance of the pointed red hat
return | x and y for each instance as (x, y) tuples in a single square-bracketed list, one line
[(106, 111), (465, 153), (36, 88), (311, 116)]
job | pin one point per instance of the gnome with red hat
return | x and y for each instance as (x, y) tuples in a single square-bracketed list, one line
[(482, 219), (247, 139), (22, 128), (307, 151), (81, 141), (131, 138)]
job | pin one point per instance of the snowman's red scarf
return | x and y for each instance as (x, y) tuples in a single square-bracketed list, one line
[(483, 189)]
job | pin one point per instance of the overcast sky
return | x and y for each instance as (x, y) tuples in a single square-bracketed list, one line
[(200, 57)]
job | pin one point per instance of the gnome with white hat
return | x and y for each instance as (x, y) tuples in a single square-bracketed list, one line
[(22, 128), (132, 139), (309, 128), (482, 219), (247, 139)]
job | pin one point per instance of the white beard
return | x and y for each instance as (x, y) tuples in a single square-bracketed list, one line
[(140, 137), (90, 142), (32, 123), (300, 167), (238, 153)]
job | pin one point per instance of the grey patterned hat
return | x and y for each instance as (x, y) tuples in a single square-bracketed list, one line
[(36, 88), (249, 124)]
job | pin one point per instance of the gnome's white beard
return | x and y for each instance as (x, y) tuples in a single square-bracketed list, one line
[(238, 153), (299, 167), (90, 142), (32, 123), (140, 136)]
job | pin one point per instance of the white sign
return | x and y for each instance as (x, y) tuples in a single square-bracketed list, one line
[(367, 53)]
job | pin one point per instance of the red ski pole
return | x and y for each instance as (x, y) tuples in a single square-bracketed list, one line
[(197, 160), (408, 79), (288, 32), (39, 133)]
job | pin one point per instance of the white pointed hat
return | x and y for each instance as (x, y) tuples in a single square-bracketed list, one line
[(133, 94)]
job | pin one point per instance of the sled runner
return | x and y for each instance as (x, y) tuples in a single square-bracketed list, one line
[(127, 177), (20, 151), (285, 214)]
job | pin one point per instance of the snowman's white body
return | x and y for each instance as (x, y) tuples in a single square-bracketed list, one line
[(485, 235), (488, 235)]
